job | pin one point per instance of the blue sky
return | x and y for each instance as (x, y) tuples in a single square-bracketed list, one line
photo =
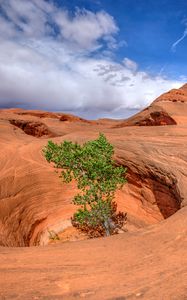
[(95, 58), (150, 28)]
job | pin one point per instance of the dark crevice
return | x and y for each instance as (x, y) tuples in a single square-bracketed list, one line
[(157, 118), (155, 190), (164, 191), (35, 129), (29, 236)]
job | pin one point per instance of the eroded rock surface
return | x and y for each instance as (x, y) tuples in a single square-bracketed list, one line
[(71, 118), (153, 115), (148, 262), (36, 129), (34, 200)]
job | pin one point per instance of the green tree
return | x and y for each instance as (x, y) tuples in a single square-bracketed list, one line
[(97, 176)]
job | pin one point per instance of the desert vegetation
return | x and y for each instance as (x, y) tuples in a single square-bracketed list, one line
[(97, 177)]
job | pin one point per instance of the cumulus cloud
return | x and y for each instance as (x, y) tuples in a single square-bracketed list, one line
[(52, 59), (85, 29)]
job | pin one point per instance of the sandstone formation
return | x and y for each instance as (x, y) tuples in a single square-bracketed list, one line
[(44, 114), (150, 116), (71, 118), (36, 129), (150, 264), (147, 262)]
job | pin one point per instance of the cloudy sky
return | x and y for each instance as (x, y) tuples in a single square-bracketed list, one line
[(91, 57)]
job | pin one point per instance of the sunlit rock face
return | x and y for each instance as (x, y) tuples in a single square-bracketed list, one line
[(35, 204), (152, 145)]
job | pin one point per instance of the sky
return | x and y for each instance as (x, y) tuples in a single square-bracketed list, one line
[(93, 58)]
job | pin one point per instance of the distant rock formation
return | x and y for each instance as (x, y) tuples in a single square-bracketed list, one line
[(71, 118), (45, 114), (36, 129), (150, 116)]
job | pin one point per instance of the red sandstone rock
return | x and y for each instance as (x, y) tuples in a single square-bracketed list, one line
[(44, 114), (39, 114), (150, 116), (149, 263), (71, 118), (36, 129)]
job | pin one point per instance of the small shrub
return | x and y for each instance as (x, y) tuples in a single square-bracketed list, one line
[(53, 235)]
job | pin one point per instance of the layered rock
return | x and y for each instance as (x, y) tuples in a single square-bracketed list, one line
[(147, 262), (36, 129), (151, 116), (34, 200)]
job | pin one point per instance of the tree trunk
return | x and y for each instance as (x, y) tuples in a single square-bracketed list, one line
[(107, 228)]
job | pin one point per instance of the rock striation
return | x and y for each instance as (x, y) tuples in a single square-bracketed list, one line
[(34, 202)]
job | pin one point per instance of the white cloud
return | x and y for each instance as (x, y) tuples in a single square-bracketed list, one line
[(130, 64), (26, 17), (47, 61), (174, 45), (85, 29)]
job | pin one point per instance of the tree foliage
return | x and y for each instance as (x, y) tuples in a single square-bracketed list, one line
[(97, 177)]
